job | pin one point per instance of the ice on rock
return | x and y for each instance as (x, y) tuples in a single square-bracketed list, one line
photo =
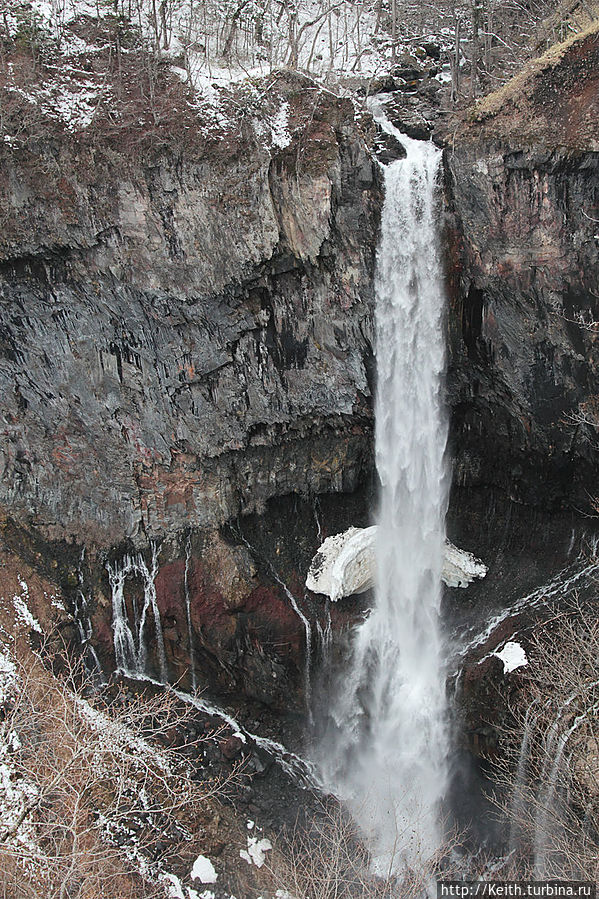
[(345, 564)]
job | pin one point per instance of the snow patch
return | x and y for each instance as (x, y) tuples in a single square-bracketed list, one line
[(173, 886), (22, 609), (203, 870), (280, 127), (256, 851), (513, 656)]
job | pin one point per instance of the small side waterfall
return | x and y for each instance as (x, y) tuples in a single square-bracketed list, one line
[(388, 755), (518, 800), (130, 648), (84, 626), (544, 824), (192, 661), (303, 618)]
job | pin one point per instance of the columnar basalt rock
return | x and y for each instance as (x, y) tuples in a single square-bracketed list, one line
[(185, 337), (523, 186), (186, 334)]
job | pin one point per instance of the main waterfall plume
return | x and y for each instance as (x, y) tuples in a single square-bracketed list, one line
[(388, 758)]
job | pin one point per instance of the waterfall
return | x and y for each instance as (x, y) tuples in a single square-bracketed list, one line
[(192, 663), (518, 799), (84, 625), (546, 821), (388, 756), (130, 648), (304, 620)]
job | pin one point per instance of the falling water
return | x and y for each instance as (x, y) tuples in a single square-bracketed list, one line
[(545, 819), (84, 626), (192, 662), (388, 759), (130, 648), (304, 620), (518, 800)]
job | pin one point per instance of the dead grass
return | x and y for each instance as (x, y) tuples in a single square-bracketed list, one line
[(521, 86)]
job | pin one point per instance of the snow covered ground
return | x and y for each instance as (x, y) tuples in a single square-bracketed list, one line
[(210, 49)]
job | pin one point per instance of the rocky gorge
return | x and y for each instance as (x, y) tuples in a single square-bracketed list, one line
[(187, 371)]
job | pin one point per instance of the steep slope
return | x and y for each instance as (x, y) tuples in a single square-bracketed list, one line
[(186, 295), (523, 178)]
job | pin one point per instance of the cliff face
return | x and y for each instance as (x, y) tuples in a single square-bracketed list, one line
[(524, 189), (186, 336)]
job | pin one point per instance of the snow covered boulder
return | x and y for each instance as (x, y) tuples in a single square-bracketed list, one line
[(345, 564), (460, 568)]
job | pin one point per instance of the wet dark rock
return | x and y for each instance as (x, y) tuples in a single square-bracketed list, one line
[(431, 49), (522, 262), (387, 148), (185, 337), (384, 84), (523, 365), (408, 72), (232, 747)]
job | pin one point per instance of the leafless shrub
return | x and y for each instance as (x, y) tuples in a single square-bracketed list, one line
[(327, 859), (91, 793), (548, 770)]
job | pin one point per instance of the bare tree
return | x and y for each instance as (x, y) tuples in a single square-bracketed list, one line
[(548, 769), (89, 790)]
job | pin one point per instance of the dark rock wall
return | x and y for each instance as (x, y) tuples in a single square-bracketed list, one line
[(524, 267), (184, 338)]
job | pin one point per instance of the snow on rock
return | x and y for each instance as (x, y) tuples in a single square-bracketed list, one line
[(345, 564), (16, 792), (513, 656), (460, 568), (203, 870), (22, 609), (173, 886), (256, 851), (280, 127), (7, 677)]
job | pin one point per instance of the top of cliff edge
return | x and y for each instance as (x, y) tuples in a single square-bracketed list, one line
[(553, 101)]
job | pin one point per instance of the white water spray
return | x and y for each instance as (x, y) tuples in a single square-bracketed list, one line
[(130, 647), (389, 756)]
